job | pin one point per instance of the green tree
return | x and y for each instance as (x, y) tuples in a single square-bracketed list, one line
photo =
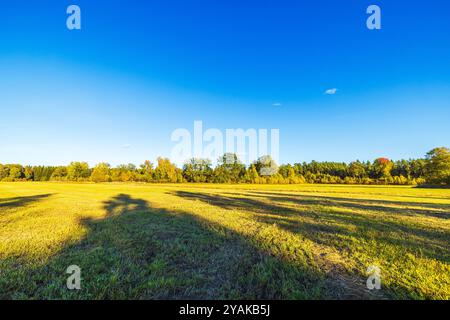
[(78, 171), (124, 173), (437, 168), (266, 166), (229, 169), (197, 170), (418, 168), (4, 172), (16, 172), (147, 171), (101, 173), (357, 170), (60, 174), (28, 173)]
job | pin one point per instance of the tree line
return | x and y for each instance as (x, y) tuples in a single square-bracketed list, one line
[(433, 169)]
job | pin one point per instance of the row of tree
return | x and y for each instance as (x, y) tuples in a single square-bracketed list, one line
[(433, 169)]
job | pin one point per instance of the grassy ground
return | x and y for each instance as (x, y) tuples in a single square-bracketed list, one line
[(215, 241)]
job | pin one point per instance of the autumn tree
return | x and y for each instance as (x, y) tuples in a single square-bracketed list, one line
[(251, 175), (166, 171), (382, 169), (101, 173)]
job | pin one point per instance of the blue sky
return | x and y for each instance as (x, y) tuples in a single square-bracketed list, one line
[(116, 90)]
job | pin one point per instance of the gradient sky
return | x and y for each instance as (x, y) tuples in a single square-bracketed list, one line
[(116, 90)]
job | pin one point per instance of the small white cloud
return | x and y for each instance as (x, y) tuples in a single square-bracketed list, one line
[(126, 146), (331, 91), (277, 104)]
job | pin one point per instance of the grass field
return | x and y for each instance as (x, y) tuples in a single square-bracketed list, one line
[(136, 241)]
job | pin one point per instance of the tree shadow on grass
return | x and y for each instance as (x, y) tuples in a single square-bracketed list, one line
[(434, 210), (16, 202), (329, 222), (441, 211), (141, 252), (435, 243)]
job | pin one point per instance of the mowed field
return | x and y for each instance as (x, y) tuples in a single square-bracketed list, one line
[(136, 241)]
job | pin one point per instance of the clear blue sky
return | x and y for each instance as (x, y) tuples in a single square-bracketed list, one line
[(115, 90)]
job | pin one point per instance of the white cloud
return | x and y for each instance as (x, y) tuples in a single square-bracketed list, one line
[(277, 104), (331, 91), (126, 146)]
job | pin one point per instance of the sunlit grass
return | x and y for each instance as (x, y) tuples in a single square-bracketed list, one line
[(218, 241)]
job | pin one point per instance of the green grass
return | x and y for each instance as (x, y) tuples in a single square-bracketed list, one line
[(216, 241)]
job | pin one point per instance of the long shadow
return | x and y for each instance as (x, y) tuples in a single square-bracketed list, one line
[(123, 203), (420, 208), (357, 191), (333, 226), (241, 203), (434, 244), (425, 186), (141, 252), (9, 203)]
